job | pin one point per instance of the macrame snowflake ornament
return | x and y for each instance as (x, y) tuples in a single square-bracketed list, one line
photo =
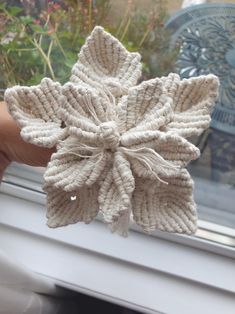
[(121, 147)]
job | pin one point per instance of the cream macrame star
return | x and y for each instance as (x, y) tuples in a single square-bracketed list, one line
[(121, 148)]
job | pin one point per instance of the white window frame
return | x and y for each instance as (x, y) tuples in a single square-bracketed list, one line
[(32, 178)]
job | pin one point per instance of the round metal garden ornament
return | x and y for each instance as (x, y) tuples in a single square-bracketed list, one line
[(205, 35)]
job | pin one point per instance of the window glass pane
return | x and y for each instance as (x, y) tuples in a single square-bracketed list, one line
[(192, 38), (205, 36)]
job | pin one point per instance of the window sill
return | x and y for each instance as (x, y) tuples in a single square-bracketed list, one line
[(149, 273)]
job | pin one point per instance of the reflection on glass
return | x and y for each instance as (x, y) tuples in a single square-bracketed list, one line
[(205, 35)]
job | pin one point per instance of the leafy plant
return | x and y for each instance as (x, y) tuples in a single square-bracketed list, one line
[(46, 41), (147, 34)]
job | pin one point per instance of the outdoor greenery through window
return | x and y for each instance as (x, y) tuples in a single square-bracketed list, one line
[(42, 38)]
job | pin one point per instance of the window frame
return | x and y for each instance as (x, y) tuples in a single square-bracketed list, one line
[(29, 180), (141, 272)]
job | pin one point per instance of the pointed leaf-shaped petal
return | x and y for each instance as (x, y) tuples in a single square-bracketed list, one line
[(64, 208), (193, 100), (167, 207), (35, 109), (146, 107), (70, 169), (170, 146), (82, 102), (116, 190), (104, 62)]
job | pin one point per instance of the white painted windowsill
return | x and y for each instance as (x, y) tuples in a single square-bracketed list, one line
[(153, 274)]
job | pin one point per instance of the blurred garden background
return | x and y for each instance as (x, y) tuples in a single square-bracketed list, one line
[(43, 38)]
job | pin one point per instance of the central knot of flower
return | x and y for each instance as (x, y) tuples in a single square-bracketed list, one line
[(109, 135)]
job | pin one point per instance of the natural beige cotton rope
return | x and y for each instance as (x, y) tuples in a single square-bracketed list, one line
[(121, 147)]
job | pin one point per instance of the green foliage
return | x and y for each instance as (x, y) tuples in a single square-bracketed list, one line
[(46, 43), (146, 33)]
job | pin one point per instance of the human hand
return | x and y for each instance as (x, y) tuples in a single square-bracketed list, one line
[(13, 148)]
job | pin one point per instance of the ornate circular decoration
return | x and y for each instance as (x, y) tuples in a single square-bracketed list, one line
[(206, 37)]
